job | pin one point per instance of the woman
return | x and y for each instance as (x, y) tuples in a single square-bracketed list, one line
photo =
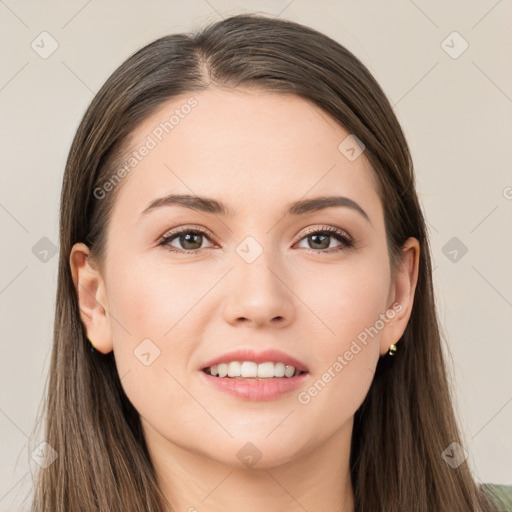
[(242, 244)]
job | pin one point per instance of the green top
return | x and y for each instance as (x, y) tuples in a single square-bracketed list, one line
[(501, 495)]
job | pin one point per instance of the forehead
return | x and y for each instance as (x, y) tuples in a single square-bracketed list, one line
[(244, 146)]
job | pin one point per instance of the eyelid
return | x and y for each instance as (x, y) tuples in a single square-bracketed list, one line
[(186, 227), (312, 229), (164, 240), (329, 229)]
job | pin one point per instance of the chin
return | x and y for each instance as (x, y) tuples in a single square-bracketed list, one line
[(255, 451)]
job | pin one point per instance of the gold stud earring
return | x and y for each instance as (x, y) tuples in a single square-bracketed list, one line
[(392, 349)]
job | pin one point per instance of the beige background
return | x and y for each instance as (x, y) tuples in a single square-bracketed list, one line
[(456, 113)]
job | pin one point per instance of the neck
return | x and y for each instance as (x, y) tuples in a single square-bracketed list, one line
[(316, 479)]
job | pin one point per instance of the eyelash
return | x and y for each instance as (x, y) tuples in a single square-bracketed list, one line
[(336, 233)]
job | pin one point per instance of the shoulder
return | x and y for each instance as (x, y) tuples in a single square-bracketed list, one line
[(499, 494)]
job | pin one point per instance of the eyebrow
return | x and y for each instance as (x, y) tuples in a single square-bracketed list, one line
[(209, 205)]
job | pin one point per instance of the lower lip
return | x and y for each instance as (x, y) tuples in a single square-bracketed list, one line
[(256, 389)]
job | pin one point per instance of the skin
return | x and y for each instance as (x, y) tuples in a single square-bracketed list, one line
[(255, 152)]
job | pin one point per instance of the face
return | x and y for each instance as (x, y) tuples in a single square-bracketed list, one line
[(185, 286)]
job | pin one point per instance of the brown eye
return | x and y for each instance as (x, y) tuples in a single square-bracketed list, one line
[(189, 240), (320, 240)]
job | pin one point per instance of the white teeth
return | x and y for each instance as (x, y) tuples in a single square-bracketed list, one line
[(279, 370), (250, 369), (289, 371), (265, 370), (234, 369), (223, 370)]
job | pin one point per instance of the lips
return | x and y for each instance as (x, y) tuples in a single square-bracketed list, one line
[(269, 355)]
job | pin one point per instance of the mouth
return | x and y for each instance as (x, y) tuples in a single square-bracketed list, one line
[(255, 375), (255, 381), (268, 370)]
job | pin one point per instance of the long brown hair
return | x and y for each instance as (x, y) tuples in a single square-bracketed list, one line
[(407, 418)]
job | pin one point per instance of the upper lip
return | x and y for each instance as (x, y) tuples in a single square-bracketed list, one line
[(264, 356)]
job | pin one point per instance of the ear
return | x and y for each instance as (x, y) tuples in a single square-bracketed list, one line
[(401, 295), (92, 298)]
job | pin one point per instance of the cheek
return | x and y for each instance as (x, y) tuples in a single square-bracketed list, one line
[(153, 326), (336, 392), (150, 300), (346, 300), (346, 354), (346, 346)]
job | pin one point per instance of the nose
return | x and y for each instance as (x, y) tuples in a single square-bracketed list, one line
[(259, 294)]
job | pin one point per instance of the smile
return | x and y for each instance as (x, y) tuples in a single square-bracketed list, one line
[(252, 370)]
